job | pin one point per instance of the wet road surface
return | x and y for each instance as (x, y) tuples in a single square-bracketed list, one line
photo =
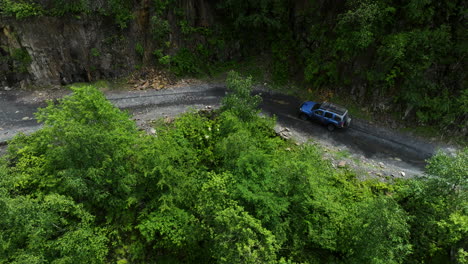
[(362, 138)]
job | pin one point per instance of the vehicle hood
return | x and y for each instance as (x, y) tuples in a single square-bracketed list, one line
[(308, 105)]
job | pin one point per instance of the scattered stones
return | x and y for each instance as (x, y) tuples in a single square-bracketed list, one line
[(381, 165), (284, 133), (341, 164), (397, 159), (25, 118), (379, 174), (23, 84), (6, 88), (151, 79), (402, 173), (288, 149), (168, 119), (152, 131)]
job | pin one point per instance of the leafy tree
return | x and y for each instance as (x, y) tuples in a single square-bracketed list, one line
[(20, 9), (438, 205), (82, 152), (51, 228), (239, 101), (376, 219), (210, 187), (239, 237)]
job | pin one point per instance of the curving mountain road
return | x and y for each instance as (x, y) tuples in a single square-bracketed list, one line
[(369, 142)]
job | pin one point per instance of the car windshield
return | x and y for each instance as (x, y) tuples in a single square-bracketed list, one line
[(316, 106)]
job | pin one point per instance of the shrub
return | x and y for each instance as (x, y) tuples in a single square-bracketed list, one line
[(20, 9)]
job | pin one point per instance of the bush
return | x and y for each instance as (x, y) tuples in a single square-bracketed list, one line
[(208, 188), (20, 9), (239, 101), (21, 60)]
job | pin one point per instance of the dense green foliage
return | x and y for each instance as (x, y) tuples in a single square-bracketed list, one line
[(409, 54), (211, 187), (20, 8), (438, 206), (414, 53), (119, 10)]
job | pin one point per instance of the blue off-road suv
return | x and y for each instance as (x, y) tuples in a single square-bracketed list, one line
[(331, 115)]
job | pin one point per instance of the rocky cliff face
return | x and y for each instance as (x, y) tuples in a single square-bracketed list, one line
[(66, 50), (48, 50)]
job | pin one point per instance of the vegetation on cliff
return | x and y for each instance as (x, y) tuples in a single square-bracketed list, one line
[(211, 187), (410, 56)]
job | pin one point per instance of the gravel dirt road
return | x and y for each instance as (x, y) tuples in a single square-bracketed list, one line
[(369, 148)]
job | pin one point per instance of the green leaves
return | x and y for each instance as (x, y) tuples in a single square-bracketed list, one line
[(172, 229), (264, 14), (374, 220), (216, 187), (52, 228), (20, 9), (239, 101), (438, 206), (240, 238), (82, 152)]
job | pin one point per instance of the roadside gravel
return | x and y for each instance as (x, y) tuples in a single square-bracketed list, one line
[(372, 150)]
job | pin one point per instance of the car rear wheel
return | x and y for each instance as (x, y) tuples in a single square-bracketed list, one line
[(330, 127), (303, 116)]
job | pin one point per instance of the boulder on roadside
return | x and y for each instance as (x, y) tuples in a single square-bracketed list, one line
[(285, 134)]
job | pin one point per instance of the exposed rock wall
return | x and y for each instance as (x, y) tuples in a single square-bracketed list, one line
[(70, 49), (66, 50)]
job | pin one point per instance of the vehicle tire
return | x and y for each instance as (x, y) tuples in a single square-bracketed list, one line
[(303, 116), (330, 127)]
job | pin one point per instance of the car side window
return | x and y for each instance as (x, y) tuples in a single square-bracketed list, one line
[(328, 115), (319, 112), (337, 118)]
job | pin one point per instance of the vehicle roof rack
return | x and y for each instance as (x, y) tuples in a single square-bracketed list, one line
[(334, 108)]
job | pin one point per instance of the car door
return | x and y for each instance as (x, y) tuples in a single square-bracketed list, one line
[(318, 115), (328, 118)]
